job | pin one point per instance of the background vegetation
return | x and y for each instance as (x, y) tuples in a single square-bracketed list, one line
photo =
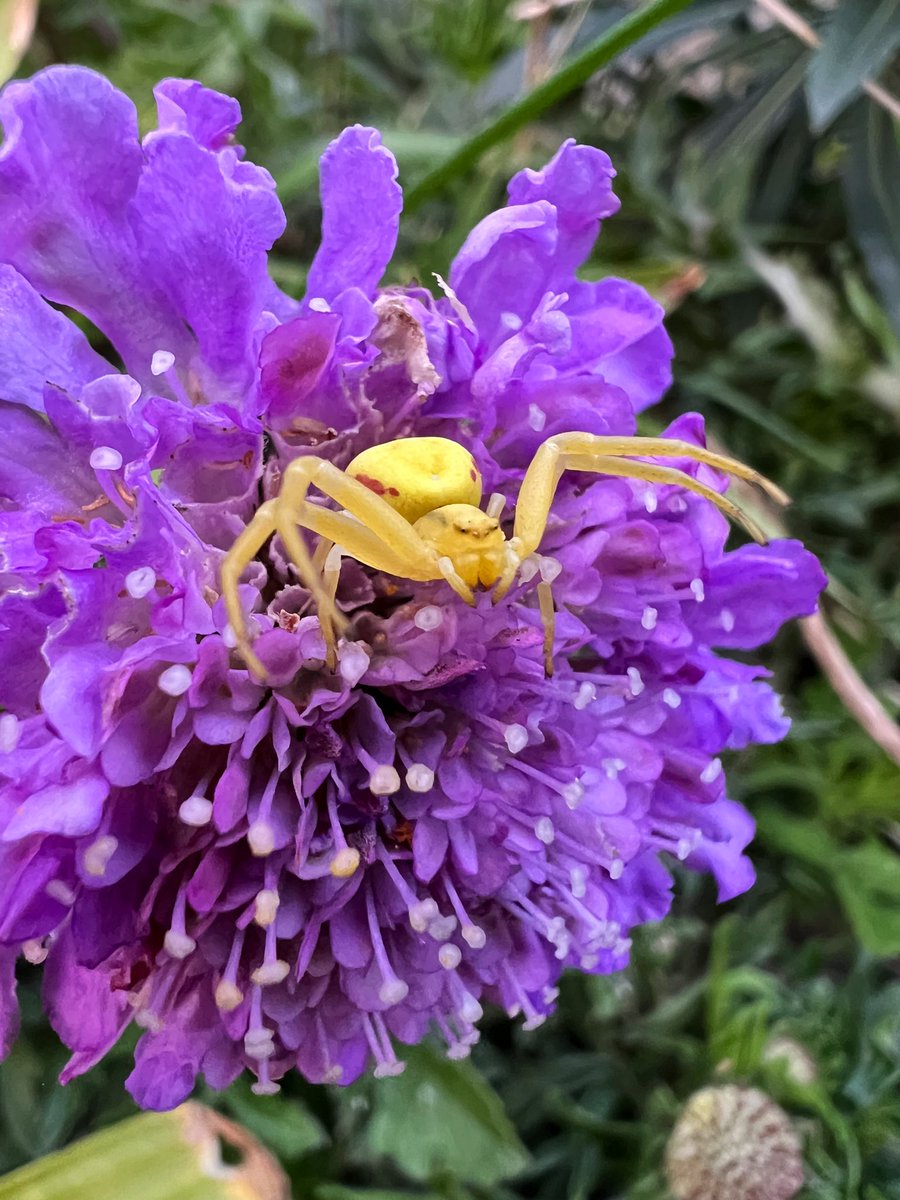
[(760, 189)]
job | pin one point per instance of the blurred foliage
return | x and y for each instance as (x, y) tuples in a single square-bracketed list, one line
[(773, 237)]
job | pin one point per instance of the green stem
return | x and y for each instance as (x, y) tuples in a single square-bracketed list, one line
[(610, 43)]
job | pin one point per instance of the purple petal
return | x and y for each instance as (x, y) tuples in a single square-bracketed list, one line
[(361, 203)]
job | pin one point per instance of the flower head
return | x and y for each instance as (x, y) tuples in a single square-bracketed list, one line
[(733, 1143), (308, 872)]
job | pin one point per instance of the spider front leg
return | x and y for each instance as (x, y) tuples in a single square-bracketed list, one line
[(615, 456)]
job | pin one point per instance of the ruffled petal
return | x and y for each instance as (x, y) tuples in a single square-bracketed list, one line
[(361, 203)]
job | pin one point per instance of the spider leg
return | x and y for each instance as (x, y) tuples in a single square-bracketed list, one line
[(241, 554), (331, 575), (548, 616), (601, 455)]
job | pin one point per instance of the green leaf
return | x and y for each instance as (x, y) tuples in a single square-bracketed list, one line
[(155, 1156), (442, 1117), (866, 877), (871, 178), (280, 1122), (567, 80), (861, 38)]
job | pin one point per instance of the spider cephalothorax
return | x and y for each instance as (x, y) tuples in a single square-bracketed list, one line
[(410, 508)]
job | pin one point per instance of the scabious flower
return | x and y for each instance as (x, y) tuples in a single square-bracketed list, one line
[(311, 871)]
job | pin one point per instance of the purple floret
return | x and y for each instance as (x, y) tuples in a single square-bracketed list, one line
[(169, 824)]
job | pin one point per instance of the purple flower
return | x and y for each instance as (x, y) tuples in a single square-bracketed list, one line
[(170, 825)]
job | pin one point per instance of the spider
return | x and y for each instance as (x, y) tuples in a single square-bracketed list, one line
[(410, 508)]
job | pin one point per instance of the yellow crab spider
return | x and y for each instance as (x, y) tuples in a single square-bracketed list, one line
[(410, 508)]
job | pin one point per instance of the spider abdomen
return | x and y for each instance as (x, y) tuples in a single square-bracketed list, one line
[(417, 475)]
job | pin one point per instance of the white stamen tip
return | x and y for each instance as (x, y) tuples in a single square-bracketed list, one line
[(495, 505), (345, 863), (161, 362), (537, 418), (470, 1010), (635, 682), (649, 617), (441, 928), (419, 778), (334, 1074), (549, 568), (265, 1087), (422, 913), (698, 591), (261, 839), (711, 771), (671, 698), (60, 892), (105, 458), (265, 907), (683, 849), (585, 695), (386, 1070), (578, 880), (140, 582), (573, 793), (449, 956), (384, 781), (35, 951), (195, 811), (178, 945), (393, 991), (97, 855), (650, 500), (175, 681), (228, 996), (544, 831), (270, 973), (229, 637), (474, 937), (528, 568), (616, 867), (259, 1043), (516, 738), (428, 617), (726, 617), (319, 304), (10, 732)]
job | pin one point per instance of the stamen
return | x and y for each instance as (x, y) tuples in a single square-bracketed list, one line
[(35, 951), (549, 568), (10, 732), (449, 956), (61, 892), (393, 990), (105, 458), (98, 853), (472, 934), (261, 839), (178, 945), (140, 582), (271, 972), (537, 418), (544, 831), (228, 996), (586, 695), (495, 505), (726, 619), (528, 568), (711, 771), (345, 863), (384, 781), (651, 500), (649, 617), (175, 681), (635, 681), (442, 928), (573, 793), (428, 617), (421, 912), (671, 698), (698, 590), (419, 778), (196, 811), (516, 738), (162, 361), (265, 907)]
